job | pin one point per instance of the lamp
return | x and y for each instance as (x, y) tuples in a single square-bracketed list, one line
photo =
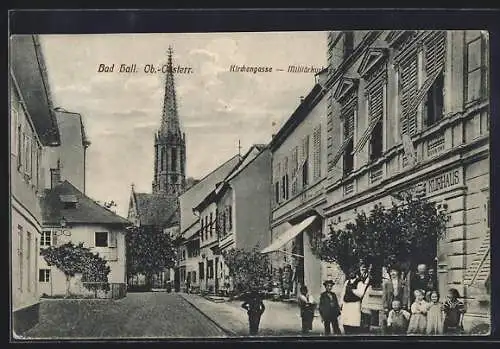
[(63, 223)]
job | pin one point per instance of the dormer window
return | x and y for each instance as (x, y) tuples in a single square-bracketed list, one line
[(69, 201)]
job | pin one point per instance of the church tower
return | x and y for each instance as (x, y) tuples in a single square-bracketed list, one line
[(170, 144)]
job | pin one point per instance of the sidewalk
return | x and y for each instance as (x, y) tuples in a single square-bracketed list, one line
[(279, 319)]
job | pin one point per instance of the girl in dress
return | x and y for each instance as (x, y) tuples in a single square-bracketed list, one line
[(434, 316), (418, 319), (454, 311)]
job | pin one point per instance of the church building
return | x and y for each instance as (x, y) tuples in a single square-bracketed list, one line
[(160, 208)]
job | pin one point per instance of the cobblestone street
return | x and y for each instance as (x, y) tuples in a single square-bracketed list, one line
[(139, 315)]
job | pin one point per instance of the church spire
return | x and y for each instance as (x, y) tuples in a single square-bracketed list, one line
[(170, 118)]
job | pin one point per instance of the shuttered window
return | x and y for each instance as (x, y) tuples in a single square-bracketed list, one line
[(348, 115), (229, 218), (284, 179), (435, 50), (317, 153), (305, 161), (408, 90), (295, 165)]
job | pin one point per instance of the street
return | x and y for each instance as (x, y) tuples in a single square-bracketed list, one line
[(152, 314)]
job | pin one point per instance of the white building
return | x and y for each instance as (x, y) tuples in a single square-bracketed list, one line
[(33, 126), (69, 215)]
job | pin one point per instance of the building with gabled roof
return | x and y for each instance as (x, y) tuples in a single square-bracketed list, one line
[(68, 215)]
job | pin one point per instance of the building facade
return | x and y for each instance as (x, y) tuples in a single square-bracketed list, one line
[(407, 110), (298, 178), (236, 214), (190, 239), (70, 216), (33, 128)]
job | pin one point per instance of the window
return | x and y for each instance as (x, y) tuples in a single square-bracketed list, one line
[(284, 180), (305, 164), (277, 192), (27, 157), (14, 121), (295, 165), (317, 153), (45, 239), (211, 225), (28, 259), (174, 159), (376, 141), (193, 276), (408, 86), (44, 275), (20, 250), (217, 222), (348, 43), (224, 222), (206, 227), (19, 146), (475, 55), (435, 100), (101, 239), (201, 270), (210, 269), (348, 113), (202, 229), (229, 218)]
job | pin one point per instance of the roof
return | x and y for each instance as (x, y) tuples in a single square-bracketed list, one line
[(28, 70), (300, 113), (157, 209), (87, 211), (254, 151), (62, 113), (197, 192)]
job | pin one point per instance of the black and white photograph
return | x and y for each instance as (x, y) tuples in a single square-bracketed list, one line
[(250, 184)]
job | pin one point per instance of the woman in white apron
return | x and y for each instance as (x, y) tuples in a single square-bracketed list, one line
[(351, 298)]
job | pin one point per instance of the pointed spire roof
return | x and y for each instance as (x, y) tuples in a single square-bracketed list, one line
[(170, 118)]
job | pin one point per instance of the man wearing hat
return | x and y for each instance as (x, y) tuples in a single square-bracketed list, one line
[(329, 308)]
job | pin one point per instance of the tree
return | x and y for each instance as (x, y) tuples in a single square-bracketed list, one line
[(248, 269), (404, 234), (149, 251), (95, 272), (72, 259)]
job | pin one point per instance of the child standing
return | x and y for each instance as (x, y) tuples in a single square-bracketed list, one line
[(397, 320), (434, 316), (454, 311), (255, 308), (418, 319)]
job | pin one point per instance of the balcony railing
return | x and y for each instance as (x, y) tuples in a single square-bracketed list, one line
[(435, 145)]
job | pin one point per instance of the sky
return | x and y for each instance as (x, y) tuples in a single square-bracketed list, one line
[(217, 108)]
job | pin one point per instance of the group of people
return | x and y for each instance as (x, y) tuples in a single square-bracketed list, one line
[(415, 309), (412, 308)]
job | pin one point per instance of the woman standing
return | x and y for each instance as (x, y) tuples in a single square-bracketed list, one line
[(454, 311), (351, 297), (255, 308), (307, 306)]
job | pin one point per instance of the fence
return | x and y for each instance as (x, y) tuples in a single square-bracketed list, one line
[(103, 290)]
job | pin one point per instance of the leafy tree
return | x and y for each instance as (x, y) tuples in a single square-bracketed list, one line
[(72, 259), (248, 269), (404, 234), (95, 272), (149, 251)]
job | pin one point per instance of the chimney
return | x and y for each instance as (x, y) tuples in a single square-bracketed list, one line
[(301, 99), (55, 175)]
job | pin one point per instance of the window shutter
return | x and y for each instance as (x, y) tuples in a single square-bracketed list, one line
[(435, 50), (92, 240), (295, 165), (376, 103), (112, 238), (348, 116), (54, 239), (229, 218), (317, 153), (408, 90)]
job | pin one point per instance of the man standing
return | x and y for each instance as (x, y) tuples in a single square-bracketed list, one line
[(255, 308), (419, 282), (329, 308), (393, 289)]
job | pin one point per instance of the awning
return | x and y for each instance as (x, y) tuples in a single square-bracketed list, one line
[(288, 235)]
